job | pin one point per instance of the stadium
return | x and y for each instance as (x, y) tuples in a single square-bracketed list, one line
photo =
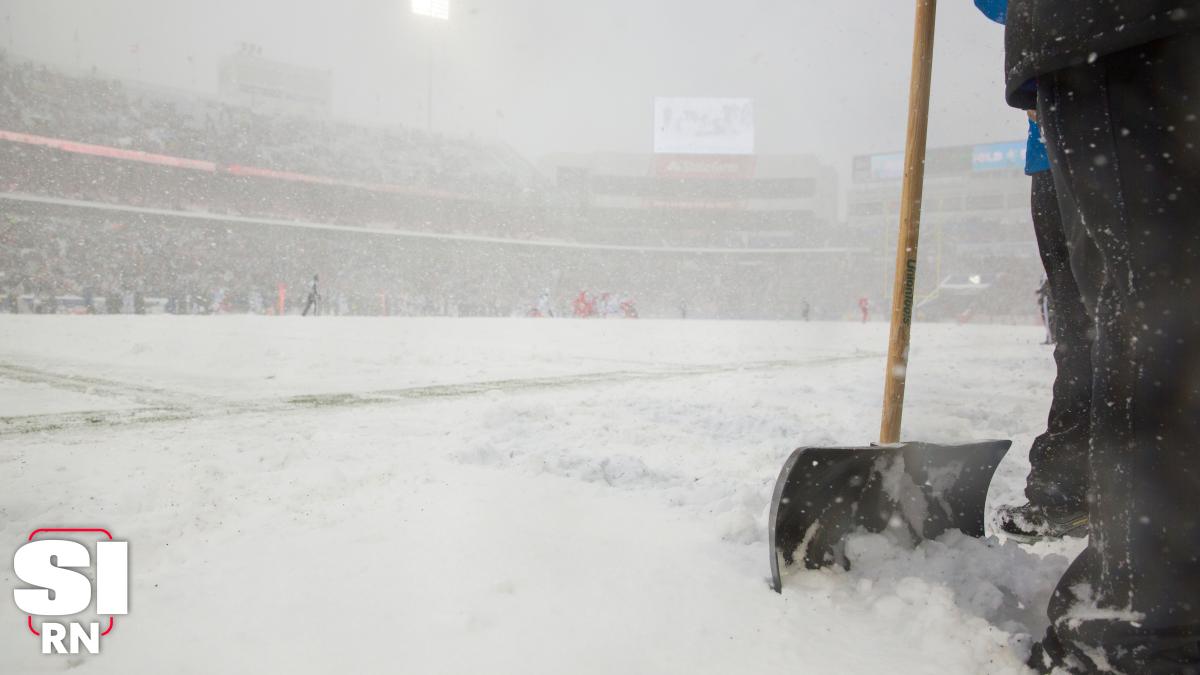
[(450, 337)]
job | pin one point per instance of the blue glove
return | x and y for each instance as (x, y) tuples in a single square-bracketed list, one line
[(996, 10)]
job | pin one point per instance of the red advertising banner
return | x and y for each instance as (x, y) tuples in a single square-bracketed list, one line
[(213, 167), (106, 151)]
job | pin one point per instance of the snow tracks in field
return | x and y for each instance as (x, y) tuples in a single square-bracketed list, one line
[(127, 403)]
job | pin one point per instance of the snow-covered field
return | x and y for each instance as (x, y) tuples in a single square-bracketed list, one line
[(361, 495)]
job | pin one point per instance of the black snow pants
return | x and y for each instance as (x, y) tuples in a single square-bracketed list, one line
[(1124, 131), (1058, 458)]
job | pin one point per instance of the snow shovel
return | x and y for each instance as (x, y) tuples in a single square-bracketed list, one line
[(911, 490)]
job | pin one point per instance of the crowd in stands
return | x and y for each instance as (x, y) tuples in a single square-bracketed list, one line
[(36, 99), (247, 244), (55, 258), (48, 172)]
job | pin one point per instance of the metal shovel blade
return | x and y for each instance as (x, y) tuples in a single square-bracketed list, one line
[(916, 490)]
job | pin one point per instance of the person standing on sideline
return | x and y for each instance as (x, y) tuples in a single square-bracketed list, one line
[(1056, 487), (314, 298), (1116, 84), (544, 307)]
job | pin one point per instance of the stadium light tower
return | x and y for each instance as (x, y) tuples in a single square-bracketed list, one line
[(439, 10)]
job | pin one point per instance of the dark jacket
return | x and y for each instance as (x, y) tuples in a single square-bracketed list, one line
[(1048, 35)]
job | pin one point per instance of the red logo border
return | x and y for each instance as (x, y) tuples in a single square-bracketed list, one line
[(29, 618)]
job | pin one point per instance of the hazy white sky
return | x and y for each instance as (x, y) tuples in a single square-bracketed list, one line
[(828, 77)]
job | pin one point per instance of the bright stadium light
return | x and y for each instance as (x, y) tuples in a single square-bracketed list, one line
[(437, 9)]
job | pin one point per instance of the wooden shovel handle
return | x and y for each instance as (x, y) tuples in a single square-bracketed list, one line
[(904, 286)]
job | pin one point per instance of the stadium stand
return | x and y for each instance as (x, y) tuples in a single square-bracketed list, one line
[(121, 197)]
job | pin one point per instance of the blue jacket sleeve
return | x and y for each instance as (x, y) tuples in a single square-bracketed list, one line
[(996, 10), (1036, 158)]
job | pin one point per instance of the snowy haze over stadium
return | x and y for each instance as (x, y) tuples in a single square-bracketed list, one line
[(828, 78)]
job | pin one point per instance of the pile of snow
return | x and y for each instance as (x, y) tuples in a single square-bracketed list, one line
[(1002, 583)]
